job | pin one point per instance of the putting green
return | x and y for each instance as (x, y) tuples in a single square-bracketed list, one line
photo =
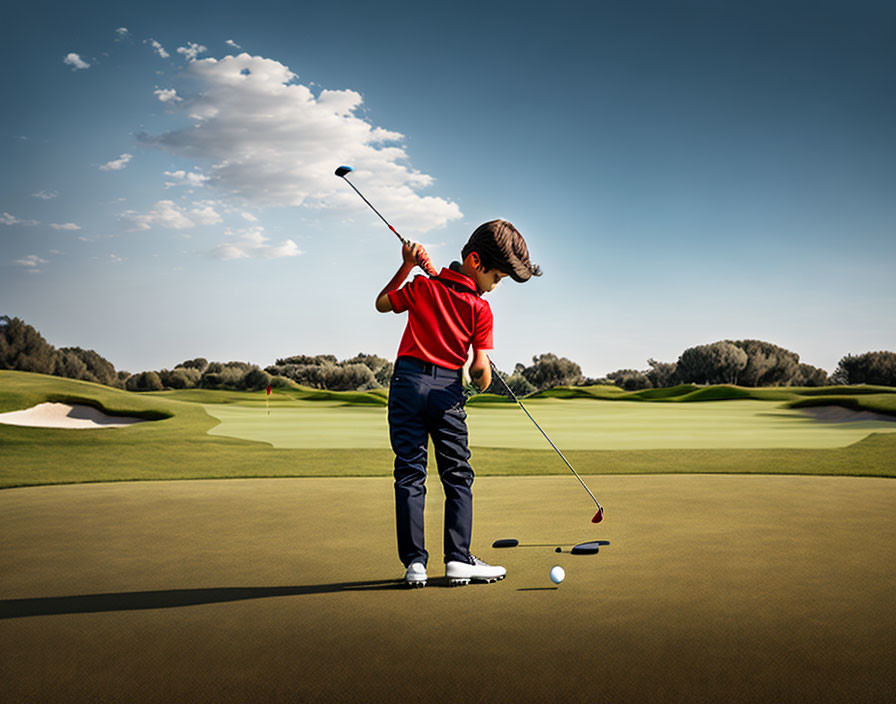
[(573, 424), (714, 589)]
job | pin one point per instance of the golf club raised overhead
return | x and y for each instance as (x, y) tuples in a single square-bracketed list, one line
[(422, 261), (341, 172), (599, 516)]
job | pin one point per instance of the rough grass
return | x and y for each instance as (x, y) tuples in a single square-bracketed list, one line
[(179, 446)]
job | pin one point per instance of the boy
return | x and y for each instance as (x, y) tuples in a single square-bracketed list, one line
[(446, 317)]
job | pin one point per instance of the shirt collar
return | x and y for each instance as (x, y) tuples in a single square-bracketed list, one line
[(458, 278)]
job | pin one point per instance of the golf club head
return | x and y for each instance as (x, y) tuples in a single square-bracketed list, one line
[(599, 516), (343, 170)]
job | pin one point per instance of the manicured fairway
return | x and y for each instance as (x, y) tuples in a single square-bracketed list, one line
[(573, 424), (178, 444), (311, 424), (714, 589)]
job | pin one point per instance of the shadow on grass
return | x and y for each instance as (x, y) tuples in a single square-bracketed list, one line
[(171, 598)]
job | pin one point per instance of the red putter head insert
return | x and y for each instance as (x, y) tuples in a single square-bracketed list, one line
[(599, 516)]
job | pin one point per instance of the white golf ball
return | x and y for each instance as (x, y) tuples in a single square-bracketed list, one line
[(558, 574)]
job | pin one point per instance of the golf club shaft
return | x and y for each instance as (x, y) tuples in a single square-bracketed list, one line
[(556, 449), (403, 240)]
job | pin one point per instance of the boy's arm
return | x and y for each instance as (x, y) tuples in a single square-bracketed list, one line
[(409, 257), (481, 370), (383, 304)]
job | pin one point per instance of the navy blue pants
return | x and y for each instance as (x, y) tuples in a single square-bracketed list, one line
[(428, 401)]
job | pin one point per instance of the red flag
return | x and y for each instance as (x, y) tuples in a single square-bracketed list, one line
[(269, 389)]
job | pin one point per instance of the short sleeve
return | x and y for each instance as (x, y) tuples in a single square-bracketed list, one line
[(482, 330), (404, 297)]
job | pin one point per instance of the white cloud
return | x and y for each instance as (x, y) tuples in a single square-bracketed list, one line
[(45, 195), (185, 178), (205, 215), (271, 142), (232, 43), (167, 95), (249, 216), (165, 213), (75, 61), (65, 226), (251, 243), (31, 263), (116, 258), (168, 214), (7, 219), (191, 50), (225, 252), (159, 49), (117, 164), (122, 33), (287, 249)]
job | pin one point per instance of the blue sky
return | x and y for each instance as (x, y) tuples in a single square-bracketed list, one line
[(683, 172)]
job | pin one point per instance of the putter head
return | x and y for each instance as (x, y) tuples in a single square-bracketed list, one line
[(343, 170), (599, 516)]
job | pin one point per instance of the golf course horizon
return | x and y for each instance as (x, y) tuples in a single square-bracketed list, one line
[(200, 433)]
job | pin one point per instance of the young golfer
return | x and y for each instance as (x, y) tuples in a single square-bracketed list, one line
[(446, 317)]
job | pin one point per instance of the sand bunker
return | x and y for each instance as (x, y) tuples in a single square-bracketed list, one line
[(63, 415)]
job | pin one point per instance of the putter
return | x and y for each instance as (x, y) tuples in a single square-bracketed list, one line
[(425, 264), (599, 516)]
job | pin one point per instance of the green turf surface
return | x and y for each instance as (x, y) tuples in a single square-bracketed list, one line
[(180, 446), (573, 424), (714, 589)]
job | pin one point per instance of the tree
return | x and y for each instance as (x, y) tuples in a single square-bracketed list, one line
[(69, 365), (305, 374), (717, 363), (549, 370), (767, 364), (23, 348), (630, 379), (661, 374), (384, 374), (810, 376), (255, 379), (96, 368), (180, 377), (348, 377), (520, 385), (227, 375), (305, 359), (878, 368), (371, 361), (200, 363), (144, 381)]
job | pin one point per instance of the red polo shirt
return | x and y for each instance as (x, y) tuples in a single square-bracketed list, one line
[(446, 316)]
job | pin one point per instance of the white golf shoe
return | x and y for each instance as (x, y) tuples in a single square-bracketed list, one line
[(460, 573), (416, 575)]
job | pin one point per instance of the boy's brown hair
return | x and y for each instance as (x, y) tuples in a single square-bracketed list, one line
[(500, 246)]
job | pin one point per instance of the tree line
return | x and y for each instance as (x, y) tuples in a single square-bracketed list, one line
[(740, 362)]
